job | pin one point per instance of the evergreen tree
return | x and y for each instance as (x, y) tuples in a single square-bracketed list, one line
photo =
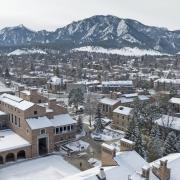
[(76, 97), (139, 147), (170, 144), (79, 124), (98, 122), (130, 130), (155, 132), (7, 75), (154, 147)]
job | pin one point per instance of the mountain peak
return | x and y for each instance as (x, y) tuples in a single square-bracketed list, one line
[(100, 30)]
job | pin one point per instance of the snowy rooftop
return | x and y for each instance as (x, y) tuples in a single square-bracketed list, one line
[(38, 123), (169, 121), (45, 168), (129, 162), (173, 163), (95, 82), (10, 140), (123, 110), (62, 119), (173, 81), (55, 80), (175, 100), (130, 95), (16, 101), (109, 101), (116, 83)]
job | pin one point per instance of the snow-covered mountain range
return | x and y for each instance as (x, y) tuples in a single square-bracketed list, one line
[(104, 31)]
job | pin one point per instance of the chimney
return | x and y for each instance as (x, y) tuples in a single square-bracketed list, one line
[(33, 91), (126, 145), (52, 103), (145, 172), (113, 95), (162, 172), (107, 155), (101, 175)]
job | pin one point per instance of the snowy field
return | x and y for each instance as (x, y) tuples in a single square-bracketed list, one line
[(46, 168), (126, 51), (77, 146), (19, 52)]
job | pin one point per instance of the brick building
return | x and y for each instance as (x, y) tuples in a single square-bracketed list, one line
[(35, 128), (121, 117)]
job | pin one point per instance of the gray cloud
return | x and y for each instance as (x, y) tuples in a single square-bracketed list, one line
[(50, 14)]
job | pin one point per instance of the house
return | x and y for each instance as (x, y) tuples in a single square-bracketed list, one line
[(121, 117), (122, 86), (167, 166), (175, 104), (55, 84), (31, 95), (169, 122), (166, 84), (41, 127), (108, 104), (129, 165)]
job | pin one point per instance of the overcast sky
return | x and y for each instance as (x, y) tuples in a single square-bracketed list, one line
[(50, 14)]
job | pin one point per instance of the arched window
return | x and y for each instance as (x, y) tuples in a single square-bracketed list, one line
[(21, 155), (10, 157), (1, 160)]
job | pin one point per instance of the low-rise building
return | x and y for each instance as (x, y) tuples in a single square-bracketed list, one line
[(43, 126), (121, 117)]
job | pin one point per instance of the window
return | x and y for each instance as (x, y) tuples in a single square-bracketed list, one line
[(12, 118), (57, 130), (72, 127), (15, 120), (19, 122), (61, 129), (35, 112), (68, 128), (27, 131), (42, 131), (64, 128)]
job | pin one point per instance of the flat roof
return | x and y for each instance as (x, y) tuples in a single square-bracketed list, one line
[(10, 140)]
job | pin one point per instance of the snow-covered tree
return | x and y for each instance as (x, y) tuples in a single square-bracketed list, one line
[(170, 144), (134, 134), (76, 97), (154, 147), (155, 132), (130, 130), (137, 136), (91, 107), (98, 122)]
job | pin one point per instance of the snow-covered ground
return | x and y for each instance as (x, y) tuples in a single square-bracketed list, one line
[(18, 52), (126, 51), (77, 146), (107, 135), (46, 168)]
